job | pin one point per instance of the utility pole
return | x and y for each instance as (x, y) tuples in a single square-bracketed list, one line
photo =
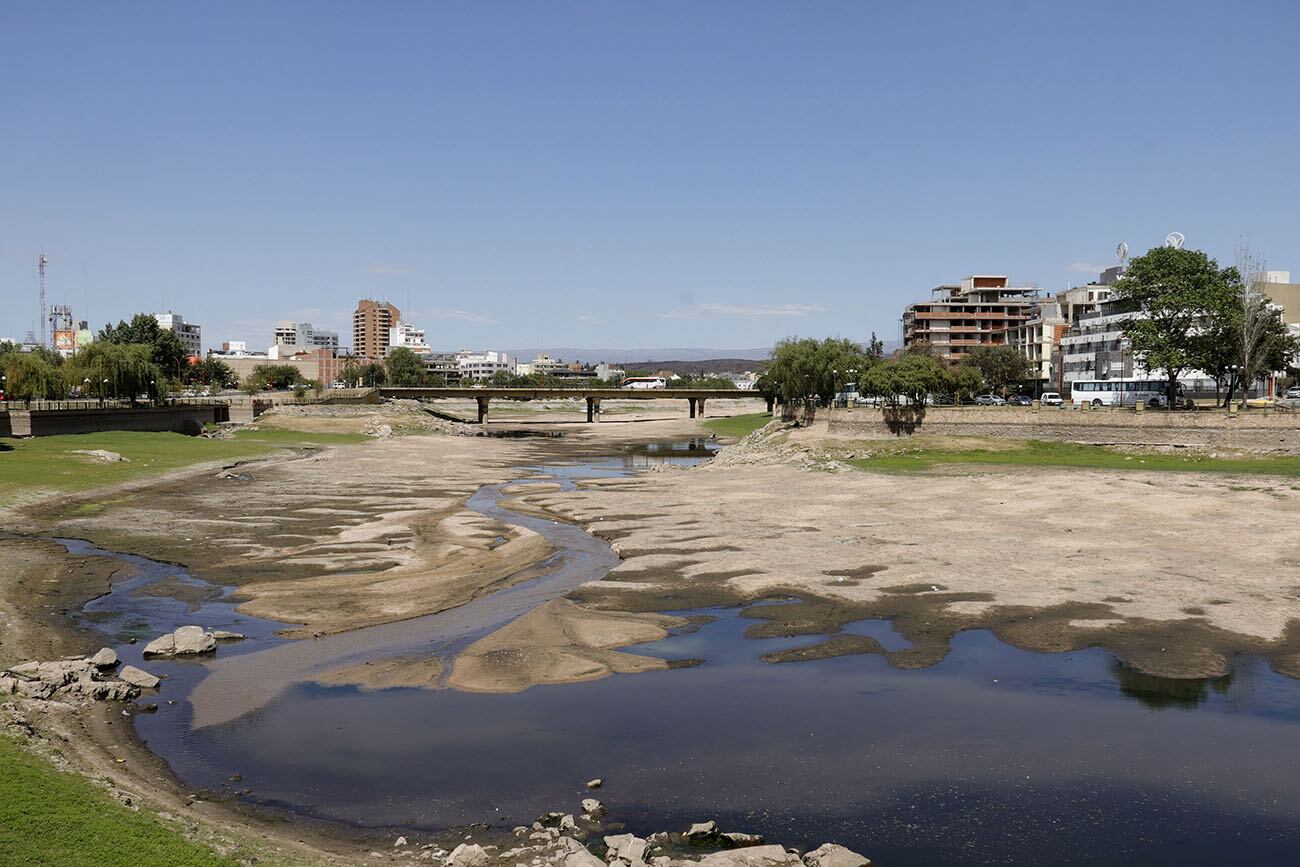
[(41, 268)]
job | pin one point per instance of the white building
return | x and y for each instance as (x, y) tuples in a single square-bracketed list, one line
[(305, 336), (483, 365), (404, 334), (190, 334), (541, 365), (605, 371)]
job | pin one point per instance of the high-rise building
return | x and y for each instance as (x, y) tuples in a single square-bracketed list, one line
[(371, 324), (304, 335), (189, 333), (978, 312), (404, 334)]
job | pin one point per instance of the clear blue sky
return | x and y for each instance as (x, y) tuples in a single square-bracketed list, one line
[(631, 174)]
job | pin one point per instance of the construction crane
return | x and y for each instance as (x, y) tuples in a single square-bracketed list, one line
[(41, 267)]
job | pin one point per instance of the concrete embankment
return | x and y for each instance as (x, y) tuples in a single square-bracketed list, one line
[(1256, 431)]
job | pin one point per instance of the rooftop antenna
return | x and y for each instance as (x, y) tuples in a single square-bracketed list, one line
[(1174, 240), (40, 266)]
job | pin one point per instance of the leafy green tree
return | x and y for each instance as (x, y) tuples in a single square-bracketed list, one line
[(31, 376), (373, 374), (404, 368), (911, 378), (804, 368), (966, 382), (1179, 294), (273, 376), (129, 369), (166, 349), (875, 348), (1000, 366), (210, 371)]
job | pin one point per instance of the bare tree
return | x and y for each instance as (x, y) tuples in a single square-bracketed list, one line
[(1256, 313)]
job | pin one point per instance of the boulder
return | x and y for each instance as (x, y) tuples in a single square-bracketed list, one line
[(582, 858), (106, 658), (8, 685), (223, 635), (702, 832), (468, 855), (834, 855), (595, 784), (752, 856), (735, 838), (162, 646), (193, 640), (592, 807), (138, 677)]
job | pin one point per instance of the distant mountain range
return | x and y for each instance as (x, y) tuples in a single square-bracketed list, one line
[(625, 356)]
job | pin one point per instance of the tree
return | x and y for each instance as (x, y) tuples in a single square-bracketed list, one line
[(273, 376), (1000, 366), (210, 371), (31, 376), (165, 347), (910, 378), (1259, 339), (373, 374), (1176, 294), (128, 368), (404, 368), (966, 382), (803, 368), (875, 348)]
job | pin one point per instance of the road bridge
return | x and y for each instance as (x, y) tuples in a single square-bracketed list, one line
[(695, 397)]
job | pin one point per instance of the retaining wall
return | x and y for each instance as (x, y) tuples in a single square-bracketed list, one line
[(187, 420), (1259, 430)]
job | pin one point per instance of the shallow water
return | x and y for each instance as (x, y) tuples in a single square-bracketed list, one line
[(994, 756)]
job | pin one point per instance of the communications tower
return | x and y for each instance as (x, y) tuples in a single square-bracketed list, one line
[(41, 267)]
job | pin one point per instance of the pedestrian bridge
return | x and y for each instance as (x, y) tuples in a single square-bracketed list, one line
[(695, 397)]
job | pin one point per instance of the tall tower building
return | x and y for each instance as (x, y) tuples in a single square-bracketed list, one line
[(370, 326)]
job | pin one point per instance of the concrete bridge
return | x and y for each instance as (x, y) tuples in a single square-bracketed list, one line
[(695, 397)]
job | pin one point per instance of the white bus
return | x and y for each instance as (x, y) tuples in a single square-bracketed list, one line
[(639, 382), (1120, 392)]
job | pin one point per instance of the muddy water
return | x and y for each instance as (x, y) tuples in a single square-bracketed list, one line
[(994, 756)]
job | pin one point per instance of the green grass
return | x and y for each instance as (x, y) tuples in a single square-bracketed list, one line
[(1034, 453), (54, 818), (738, 425), (48, 463)]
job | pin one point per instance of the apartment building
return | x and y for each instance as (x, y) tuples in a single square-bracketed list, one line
[(191, 335), (977, 312), (406, 336), (371, 324), (483, 365), (305, 335)]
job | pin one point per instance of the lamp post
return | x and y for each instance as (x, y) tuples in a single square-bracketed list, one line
[(103, 391), (153, 392), (85, 388), (1232, 386)]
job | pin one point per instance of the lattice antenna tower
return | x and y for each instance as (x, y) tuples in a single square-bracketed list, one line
[(40, 266)]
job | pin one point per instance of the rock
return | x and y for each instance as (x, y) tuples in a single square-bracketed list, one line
[(223, 635), (468, 855), (752, 856), (702, 831), (106, 658), (35, 689), (8, 685), (26, 669), (401, 841), (192, 640), (592, 807), (582, 858), (834, 855), (736, 838), (567, 823), (162, 646), (103, 455), (595, 784)]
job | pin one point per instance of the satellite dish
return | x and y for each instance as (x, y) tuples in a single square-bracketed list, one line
[(1175, 240), (1121, 252)]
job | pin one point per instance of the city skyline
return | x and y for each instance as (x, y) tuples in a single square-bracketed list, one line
[(667, 176)]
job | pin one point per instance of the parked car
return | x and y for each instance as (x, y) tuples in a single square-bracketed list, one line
[(989, 400), (1051, 398), (1020, 400), (1293, 393)]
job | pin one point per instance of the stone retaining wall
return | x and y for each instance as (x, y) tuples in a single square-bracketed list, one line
[(1260, 430), (180, 419)]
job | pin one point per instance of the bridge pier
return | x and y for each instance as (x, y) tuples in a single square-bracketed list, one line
[(691, 401), (482, 410), (701, 402), (593, 410), (771, 406)]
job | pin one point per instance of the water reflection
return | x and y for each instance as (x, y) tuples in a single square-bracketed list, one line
[(1161, 693)]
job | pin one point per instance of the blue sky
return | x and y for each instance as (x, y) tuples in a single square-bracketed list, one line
[(625, 174)]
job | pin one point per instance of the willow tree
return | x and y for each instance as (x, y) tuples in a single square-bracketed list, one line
[(800, 369), (117, 370), (31, 376)]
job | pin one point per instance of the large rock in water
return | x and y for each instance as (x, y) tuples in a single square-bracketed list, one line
[(468, 855), (752, 856), (106, 658), (138, 677), (834, 855), (186, 641)]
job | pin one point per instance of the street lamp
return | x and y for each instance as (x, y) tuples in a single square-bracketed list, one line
[(103, 391)]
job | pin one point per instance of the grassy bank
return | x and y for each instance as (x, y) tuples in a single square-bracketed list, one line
[(738, 425), (55, 818), (52, 464), (922, 454)]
